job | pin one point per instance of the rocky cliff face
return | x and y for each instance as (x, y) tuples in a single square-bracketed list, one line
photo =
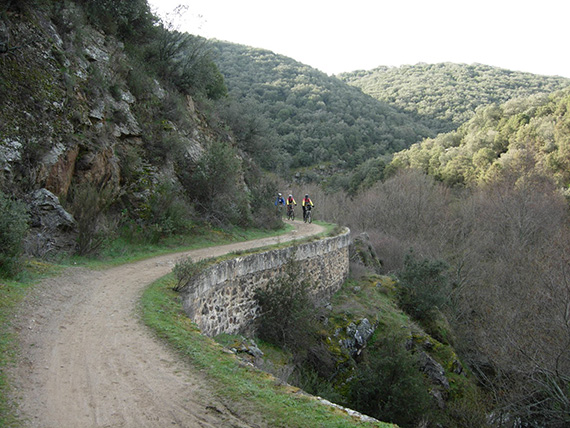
[(69, 117)]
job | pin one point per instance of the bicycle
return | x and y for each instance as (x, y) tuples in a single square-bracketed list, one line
[(290, 213), (308, 216)]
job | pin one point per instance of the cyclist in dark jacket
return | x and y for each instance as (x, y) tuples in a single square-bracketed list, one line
[(279, 204)]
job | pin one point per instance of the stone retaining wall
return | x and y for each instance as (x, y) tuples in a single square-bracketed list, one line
[(220, 299)]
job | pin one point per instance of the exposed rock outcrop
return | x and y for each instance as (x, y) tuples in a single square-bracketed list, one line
[(358, 336), (52, 227), (69, 116)]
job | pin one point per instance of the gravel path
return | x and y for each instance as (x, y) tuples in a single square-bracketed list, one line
[(88, 361)]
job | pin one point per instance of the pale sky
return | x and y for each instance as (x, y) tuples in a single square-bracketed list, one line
[(336, 36)]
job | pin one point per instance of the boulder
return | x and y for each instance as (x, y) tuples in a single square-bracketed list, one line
[(52, 228), (47, 212), (358, 336), (433, 370)]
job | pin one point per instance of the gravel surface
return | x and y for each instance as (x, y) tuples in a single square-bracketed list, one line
[(88, 361)]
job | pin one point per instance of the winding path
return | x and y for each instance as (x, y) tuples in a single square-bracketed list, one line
[(88, 361)]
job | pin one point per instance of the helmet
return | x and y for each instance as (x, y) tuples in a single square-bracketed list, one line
[(306, 196), (278, 194), (290, 195)]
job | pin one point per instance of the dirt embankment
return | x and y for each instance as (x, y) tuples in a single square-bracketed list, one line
[(88, 361)]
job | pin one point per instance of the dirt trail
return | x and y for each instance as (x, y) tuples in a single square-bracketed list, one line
[(88, 361)]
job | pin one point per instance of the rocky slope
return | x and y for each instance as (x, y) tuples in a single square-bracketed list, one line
[(77, 112)]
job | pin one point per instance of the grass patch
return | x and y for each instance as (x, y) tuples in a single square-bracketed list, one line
[(368, 298), (253, 391)]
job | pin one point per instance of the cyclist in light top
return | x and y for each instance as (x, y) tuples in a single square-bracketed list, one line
[(290, 203), (305, 203), (291, 200)]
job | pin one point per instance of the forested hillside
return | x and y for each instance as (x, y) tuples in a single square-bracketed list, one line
[(443, 96), (523, 135), (489, 201), (311, 117)]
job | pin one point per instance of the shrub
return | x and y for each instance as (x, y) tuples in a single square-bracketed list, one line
[(126, 19), (186, 269), (217, 187), (262, 192), (13, 228), (287, 314), (168, 213), (88, 207), (185, 61), (423, 288), (388, 385)]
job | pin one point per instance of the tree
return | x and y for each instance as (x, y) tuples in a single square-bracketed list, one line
[(127, 19), (216, 185), (511, 308)]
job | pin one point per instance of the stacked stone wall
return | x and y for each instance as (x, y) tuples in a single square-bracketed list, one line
[(221, 298)]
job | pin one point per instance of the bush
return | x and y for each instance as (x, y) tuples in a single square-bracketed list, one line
[(186, 269), (423, 288), (216, 184), (388, 385), (262, 193), (287, 317), (126, 19), (88, 207), (185, 60), (13, 228), (168, 212)]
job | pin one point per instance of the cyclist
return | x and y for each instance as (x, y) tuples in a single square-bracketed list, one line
[(290, 202), (306, 202), (279, 203)]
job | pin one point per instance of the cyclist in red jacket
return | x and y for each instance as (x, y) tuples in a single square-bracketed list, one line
[(306, 203), (290, 203)]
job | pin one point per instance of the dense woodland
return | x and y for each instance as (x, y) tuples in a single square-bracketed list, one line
[(458, 174), (312, 118), (524, 134), (445, 95), (486, 201)]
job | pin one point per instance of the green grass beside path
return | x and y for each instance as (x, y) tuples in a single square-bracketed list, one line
[(250, 390)]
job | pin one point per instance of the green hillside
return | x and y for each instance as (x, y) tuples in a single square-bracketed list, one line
[(445, 95), (313, 118), (526, 134)]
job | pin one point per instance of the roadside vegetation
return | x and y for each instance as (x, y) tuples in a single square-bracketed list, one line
[(254, 391), (503, 246)]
